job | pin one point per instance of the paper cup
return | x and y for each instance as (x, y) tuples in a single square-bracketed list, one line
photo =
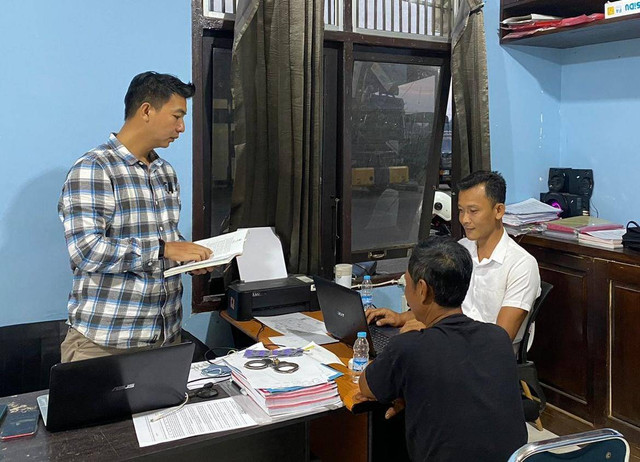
[(343, 274)]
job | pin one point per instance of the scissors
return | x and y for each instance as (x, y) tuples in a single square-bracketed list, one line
[(283, 367)]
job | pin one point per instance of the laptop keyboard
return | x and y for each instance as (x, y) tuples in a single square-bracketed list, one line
[(379, 339)]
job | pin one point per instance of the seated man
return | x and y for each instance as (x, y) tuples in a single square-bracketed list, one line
[(457, 377), (505, 281)]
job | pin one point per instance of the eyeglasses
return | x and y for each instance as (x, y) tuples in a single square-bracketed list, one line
[(283, 367)]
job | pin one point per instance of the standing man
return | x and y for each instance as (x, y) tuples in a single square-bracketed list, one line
[(505, 281), (120, 206), (456, 376)]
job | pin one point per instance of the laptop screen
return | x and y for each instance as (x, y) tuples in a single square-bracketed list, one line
[(342, 311)]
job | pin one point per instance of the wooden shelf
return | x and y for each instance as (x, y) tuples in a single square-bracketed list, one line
[(606, 30)]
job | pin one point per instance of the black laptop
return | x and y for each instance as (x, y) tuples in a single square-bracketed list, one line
[(344, 316), (111, 388)]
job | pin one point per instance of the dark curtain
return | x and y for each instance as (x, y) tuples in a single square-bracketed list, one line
[(277, 94), (470, 89)]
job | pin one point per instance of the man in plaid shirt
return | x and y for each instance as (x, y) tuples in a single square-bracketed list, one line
[(120, 207)]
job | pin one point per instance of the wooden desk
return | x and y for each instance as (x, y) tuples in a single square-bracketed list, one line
[(357, 433), (586, 346), (282, 441)]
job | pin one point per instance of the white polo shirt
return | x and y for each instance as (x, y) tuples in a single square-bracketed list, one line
[(510, 277)]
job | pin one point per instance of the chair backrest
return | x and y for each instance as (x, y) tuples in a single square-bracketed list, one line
[(596, 445), (531, 318)]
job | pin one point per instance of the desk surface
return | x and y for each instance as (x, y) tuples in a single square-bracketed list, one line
[(117, 441), (346, 387)]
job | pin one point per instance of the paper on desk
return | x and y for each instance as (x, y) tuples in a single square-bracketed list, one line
[(312, 349), (262, 258), (310, 372), (211, 416), (299, 325)]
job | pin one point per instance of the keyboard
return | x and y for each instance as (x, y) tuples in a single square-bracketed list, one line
[(380, 338)]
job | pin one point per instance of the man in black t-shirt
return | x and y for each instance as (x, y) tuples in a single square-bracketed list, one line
[(457, 377)]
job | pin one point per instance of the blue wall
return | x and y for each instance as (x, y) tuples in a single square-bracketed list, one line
[(65, 69), (66, 66), (566, 108)]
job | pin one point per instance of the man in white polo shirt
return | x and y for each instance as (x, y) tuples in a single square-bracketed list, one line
[(505, 281)]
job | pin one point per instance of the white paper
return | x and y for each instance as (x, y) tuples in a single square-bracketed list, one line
[(310, 372), (312, 349), (262, 258), (224, 247), (211, 416), (300, 325), (608, 234), (530, 205)]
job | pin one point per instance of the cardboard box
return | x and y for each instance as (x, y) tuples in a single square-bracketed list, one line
[(362, 176), (398, 175)]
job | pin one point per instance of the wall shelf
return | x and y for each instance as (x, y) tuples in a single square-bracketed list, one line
[(606, 30)]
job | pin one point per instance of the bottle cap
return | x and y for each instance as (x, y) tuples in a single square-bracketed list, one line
[(362, 335), (367, 278)]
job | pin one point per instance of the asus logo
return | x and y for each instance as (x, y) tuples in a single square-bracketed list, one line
[(340, 313), (123, 387)]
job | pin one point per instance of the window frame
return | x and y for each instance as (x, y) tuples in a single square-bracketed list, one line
[(206, 32)]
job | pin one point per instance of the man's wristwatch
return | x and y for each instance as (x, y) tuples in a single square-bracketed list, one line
[(161, 251)]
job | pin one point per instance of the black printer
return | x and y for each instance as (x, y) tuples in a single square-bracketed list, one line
[(272, 297)]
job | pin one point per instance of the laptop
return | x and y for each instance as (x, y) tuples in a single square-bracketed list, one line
[(344, 316), (111, 388)]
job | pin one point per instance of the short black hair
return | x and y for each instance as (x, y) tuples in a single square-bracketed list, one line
[(445, 265), (494, 185), (155, 89)]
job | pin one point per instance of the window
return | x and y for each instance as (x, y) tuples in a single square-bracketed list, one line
[(392, 142)]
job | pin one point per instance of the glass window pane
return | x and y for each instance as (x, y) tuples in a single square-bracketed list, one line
[(222, 151), (393, 113)]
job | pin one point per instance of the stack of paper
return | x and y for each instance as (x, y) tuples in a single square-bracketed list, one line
[(310, 388), (606, 239), (570, 228), (521, 217)]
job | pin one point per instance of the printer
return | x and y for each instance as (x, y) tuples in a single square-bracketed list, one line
[(292, 294)]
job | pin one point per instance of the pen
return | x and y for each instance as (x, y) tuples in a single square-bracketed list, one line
[(238, 387)]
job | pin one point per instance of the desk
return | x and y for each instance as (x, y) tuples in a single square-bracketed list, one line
[(282, 441), (357, 433)]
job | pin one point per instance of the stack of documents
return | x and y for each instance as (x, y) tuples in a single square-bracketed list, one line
[(571, 228), (522, 217), (606, 239), (308, 389)]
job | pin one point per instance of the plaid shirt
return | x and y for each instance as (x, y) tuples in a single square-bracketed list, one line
[(115, 209)]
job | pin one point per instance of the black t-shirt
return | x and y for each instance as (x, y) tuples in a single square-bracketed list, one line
[(460, 385)]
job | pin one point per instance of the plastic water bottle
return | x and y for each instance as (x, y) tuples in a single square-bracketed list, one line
[(360, 355), (366, 292)]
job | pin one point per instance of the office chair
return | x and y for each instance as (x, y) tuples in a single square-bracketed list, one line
[(527, 372), (596, 445)]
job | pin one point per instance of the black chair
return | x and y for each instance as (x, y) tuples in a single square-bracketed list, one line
[(527, 372)]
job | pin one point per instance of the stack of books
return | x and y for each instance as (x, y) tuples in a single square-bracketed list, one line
[(571, 228), (311, 388)]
